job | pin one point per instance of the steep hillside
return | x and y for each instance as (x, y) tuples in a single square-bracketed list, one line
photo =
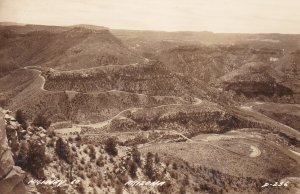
[(288, 114), (190, 119), (258, 80), (66, 48), (208, 63), (14, 83), (24, 89), (151, 79), (203, 112)]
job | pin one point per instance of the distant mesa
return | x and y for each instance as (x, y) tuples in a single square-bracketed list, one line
[(91, 27)]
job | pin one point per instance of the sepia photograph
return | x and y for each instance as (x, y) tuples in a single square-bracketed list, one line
[(149, 97)]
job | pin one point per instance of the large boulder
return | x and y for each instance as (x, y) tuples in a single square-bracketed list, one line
[(11, 177)]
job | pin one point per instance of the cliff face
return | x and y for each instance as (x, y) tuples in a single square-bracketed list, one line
[(11, 177)]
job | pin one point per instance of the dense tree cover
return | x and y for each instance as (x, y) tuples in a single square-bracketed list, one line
[(41, 121), (63, 151), (110, 147), (21, 118)]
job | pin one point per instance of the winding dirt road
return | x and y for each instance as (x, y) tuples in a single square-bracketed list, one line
[(132, 110), (255, 150), (43, 80)]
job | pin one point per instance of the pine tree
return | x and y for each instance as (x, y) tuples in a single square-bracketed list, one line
[(132, 168), (21, 118), (110, 147), (136, 156), (41, 121), (149, 166), (22, 158), (36, 158), (63, 151)]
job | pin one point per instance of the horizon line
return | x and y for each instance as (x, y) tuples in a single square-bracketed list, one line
[(145, 30)]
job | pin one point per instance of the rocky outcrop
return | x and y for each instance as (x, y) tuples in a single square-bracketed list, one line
[(191, 119), (150, 79), (258, 80), (11, 177), (254, 89)]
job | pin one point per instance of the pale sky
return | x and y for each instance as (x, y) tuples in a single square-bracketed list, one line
[(248, 16)]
